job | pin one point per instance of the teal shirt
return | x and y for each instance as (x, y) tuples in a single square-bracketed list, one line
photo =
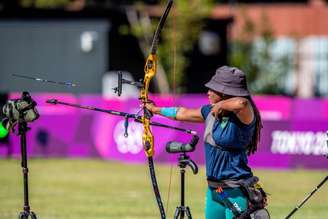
[(230, 160)]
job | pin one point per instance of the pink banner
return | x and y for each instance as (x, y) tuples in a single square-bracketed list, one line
[(293, 134)]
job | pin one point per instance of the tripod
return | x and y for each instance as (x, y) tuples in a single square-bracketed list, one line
[(184, 161), (22, 129)]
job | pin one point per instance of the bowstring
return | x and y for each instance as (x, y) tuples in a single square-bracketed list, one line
[(174, 92)]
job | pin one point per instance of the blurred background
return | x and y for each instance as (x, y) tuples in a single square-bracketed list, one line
[(79, 158)]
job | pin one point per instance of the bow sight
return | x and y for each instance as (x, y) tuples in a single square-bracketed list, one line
[(121, 81)]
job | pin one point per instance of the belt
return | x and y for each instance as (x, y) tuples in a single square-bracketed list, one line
[(224, 183)]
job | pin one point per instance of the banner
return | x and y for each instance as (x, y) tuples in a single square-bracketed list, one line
[(293, 134)]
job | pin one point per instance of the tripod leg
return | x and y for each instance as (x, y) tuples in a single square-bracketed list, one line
[(188, 213), (23, 215), (33, 215), (177, 213)]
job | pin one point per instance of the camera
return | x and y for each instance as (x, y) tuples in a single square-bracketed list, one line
[(19, 110)]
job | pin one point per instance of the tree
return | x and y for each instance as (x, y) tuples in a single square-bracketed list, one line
[(180, 33), (265, 70)]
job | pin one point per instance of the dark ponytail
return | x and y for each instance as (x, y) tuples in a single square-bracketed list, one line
[(252, 147)]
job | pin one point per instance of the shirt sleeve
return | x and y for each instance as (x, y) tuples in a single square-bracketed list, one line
[(205, 110)]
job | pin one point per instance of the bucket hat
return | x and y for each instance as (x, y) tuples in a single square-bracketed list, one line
[(230, 81)]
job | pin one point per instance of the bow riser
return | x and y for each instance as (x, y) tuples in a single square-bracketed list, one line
[(150, 71), (148, 138)]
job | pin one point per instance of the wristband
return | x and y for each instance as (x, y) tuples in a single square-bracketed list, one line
[(169, 111)]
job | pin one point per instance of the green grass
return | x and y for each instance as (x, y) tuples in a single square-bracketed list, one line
[(97, 189)]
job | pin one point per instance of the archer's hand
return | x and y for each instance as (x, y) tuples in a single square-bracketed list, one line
[(152, 107), (217, 109)]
